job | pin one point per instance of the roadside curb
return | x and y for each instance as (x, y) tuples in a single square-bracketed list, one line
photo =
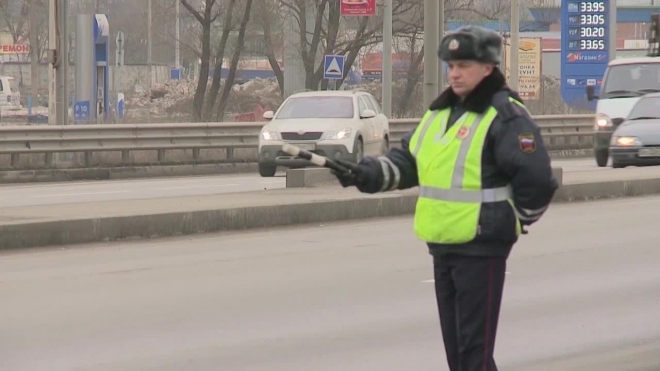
[(78, 231)]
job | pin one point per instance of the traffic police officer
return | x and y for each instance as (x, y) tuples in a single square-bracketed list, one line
[(483, 174)]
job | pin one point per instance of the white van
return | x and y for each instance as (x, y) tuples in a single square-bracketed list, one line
[(625, 81), (10, 96)]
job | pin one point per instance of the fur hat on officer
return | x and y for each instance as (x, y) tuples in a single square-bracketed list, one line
[(471, 43)]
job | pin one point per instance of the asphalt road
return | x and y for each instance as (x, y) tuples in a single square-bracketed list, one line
[(91, 191), (582, 293), (111, 190)]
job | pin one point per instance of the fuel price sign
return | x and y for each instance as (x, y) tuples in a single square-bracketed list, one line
[(585, 48)]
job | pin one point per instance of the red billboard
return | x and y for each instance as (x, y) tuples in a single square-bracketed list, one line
[(358, 7)]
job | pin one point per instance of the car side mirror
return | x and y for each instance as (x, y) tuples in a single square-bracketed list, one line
[(268, 115), (591, 93), (367, 114)]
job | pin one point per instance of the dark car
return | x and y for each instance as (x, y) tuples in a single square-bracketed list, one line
[(636, 142)]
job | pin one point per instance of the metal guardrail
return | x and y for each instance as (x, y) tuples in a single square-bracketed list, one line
[(560, 132), (557, 130)]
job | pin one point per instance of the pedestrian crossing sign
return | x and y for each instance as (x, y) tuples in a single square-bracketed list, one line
[(333, 67)]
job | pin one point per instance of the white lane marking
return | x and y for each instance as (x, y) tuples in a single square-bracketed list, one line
[(433, 281), (78, 194), (200, 186)]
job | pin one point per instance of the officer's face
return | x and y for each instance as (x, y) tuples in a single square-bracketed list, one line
[(464, 76)]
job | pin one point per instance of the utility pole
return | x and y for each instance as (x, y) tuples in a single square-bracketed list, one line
[(177, 32), (431, 42), (386, 73), (441, 18), (149, 60), (34, 48), (62, 75), (515, 43), (503, 50), (613, 27), (52, 55)]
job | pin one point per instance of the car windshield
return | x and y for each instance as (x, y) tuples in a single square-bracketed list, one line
[(317, 107), (631, 80), (645, 108)]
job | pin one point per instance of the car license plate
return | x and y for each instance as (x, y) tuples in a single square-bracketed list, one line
[(306, 146), (649, 152)]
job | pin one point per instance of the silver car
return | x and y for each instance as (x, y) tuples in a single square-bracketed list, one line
[(340, 124), (636, 142)]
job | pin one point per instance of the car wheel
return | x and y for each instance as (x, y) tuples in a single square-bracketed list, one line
[(385, 145), (602, 156), (267, 171), (358, 150)]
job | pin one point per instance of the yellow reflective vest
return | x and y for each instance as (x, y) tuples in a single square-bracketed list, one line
[(449, 172)]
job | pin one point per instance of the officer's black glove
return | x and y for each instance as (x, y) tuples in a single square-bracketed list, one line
[(365, 176)]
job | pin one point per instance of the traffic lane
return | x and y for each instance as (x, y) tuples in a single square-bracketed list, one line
[(350, 296), (586, 281), (114, 190), (634, 356), (206, 302), (577, 170), (580, 170)]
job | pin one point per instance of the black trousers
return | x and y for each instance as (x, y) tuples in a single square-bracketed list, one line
[(469, 293)]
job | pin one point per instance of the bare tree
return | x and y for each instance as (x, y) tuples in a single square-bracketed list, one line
[(234, 61), (334, 35), (205, 17), (409, 31), (409, 42), (493, 10), (266, 15), (227, 28)]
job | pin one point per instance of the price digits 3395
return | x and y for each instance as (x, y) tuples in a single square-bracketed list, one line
[(592, 7)]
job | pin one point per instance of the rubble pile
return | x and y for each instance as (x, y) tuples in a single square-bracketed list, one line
[(265, 92), (160, 97), (174, 98)]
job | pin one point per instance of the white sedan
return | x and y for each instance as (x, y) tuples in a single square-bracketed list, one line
[(345, 125)]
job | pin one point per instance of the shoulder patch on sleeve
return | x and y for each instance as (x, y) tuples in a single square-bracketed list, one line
[(527, 142)]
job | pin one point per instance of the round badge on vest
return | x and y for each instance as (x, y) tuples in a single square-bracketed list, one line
[(463, 132)]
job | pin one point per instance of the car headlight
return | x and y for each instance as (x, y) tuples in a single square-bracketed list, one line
[(338, 134), (626, 142), (269, 135), (602, 121)]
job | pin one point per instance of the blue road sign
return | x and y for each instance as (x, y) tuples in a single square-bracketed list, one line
[(585, 38), (81, 111), (333, 67), (175, 73)]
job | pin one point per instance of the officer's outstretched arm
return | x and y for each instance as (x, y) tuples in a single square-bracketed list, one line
[(404, 166), (520, 152), (395, 170)]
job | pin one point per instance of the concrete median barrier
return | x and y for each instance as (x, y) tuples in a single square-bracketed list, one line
[(309, 177), (53, 225), (134, 172), (171, 170)]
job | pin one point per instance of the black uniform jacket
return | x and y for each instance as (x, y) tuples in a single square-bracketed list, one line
[(514, 154)]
